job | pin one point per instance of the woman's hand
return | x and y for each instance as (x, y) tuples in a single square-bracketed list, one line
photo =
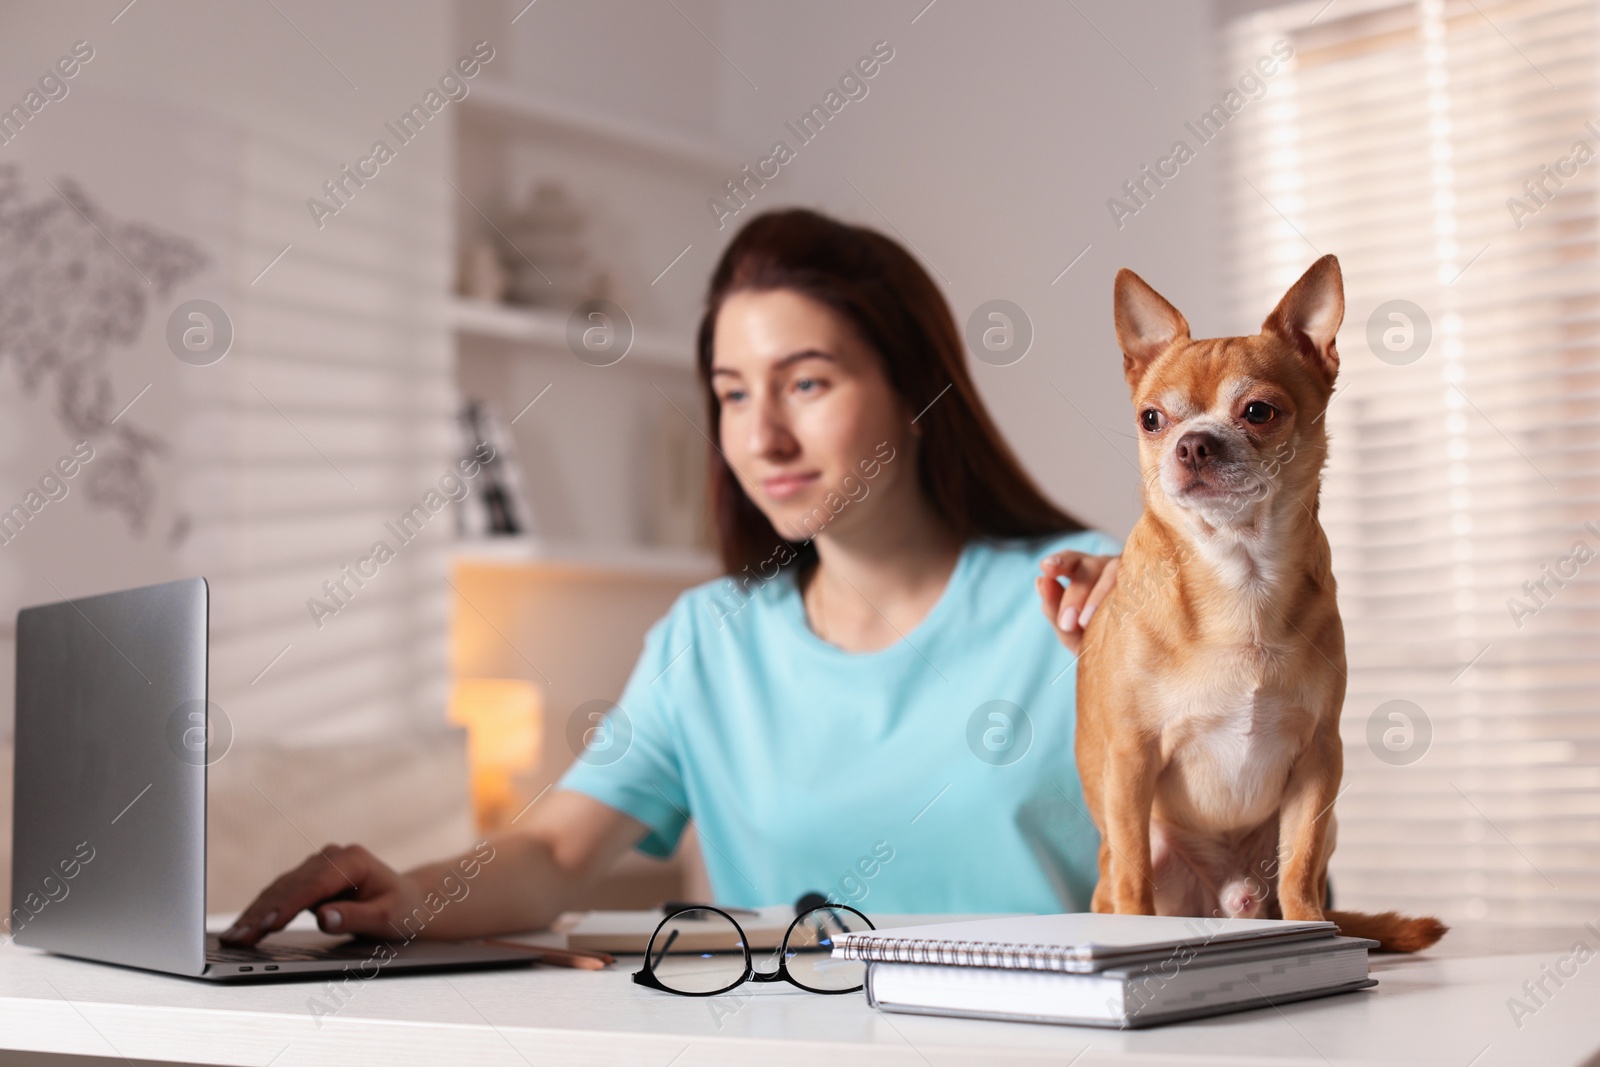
[(1069, 608), (350, 889), (521, 880)]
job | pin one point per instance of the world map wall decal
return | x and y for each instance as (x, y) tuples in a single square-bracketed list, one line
[(75, 288)]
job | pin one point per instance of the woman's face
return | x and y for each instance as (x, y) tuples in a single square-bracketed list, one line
[(813, 430)]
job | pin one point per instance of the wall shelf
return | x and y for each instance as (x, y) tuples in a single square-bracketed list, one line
[(516, 112), (586, 558), (606, 457), (546, 329)]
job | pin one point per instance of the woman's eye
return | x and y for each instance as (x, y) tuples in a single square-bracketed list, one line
[(732, 396), (1152, 420), (1259, 412), (807, 385)]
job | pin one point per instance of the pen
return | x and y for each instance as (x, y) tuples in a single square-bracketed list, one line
[(557, 957)]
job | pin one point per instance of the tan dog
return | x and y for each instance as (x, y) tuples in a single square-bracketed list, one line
[(1212, 676)]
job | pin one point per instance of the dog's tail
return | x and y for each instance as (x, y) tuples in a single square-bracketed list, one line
[(1394, 932)]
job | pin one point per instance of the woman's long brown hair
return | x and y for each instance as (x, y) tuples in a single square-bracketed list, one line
[(965, 469)]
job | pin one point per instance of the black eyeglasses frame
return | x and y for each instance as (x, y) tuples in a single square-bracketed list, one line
[(646, 975)]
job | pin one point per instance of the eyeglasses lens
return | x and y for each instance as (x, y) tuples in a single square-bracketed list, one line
[(698, 951), (809, 951)]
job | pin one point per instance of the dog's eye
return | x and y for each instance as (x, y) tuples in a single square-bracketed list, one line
[(1151, 419), (1259, 411)]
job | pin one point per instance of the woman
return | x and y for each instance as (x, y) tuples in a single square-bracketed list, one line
[(867, 706)]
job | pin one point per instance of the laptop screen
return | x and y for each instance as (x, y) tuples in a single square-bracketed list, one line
[(109, 815)]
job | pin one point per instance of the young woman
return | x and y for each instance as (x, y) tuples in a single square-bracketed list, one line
[(868, 705)]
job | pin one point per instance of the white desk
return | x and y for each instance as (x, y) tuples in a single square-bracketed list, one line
[(1446, 1007)]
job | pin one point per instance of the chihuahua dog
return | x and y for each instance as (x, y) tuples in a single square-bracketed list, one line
[(1212, 675)]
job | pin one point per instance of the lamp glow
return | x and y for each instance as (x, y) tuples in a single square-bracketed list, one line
[(504, 719)]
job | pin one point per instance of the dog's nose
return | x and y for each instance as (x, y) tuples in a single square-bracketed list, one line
[(1196, 449)]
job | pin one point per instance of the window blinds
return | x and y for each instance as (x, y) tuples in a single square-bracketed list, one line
[(1447, 152)]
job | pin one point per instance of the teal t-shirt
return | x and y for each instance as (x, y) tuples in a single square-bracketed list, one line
[(935, 775)]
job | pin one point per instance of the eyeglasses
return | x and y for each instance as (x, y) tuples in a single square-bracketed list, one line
[(703, 951)]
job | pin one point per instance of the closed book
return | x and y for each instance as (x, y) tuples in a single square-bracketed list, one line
[(1184, 985), (629, 932)]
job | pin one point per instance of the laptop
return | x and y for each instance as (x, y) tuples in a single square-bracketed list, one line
[(109, 812)]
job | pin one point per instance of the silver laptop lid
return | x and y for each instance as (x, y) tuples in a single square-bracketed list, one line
[(109, 815)]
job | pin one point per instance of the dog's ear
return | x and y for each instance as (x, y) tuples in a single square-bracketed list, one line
[(1309, 315), (1146, 324)]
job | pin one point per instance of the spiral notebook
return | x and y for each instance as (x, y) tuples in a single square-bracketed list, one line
[(1121, 971), (1078, 943)]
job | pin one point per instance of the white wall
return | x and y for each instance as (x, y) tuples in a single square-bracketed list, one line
[(332, 411)]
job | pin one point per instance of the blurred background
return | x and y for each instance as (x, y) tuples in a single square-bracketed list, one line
[(269, 272)]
